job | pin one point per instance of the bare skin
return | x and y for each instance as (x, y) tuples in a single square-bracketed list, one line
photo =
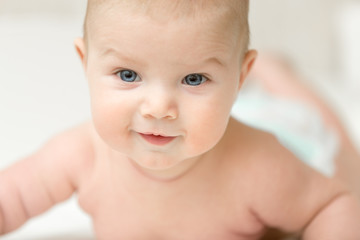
[(162, 158), (215, 199), (278, 78)]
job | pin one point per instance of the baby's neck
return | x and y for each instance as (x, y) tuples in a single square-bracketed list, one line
[(172, 174), (186, 170)]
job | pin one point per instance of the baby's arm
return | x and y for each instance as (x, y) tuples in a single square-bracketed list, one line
[(296, 199), (340, 219), (33, 185)]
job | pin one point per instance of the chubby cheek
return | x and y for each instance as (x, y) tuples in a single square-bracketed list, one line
[(208, 124), (109, 118)]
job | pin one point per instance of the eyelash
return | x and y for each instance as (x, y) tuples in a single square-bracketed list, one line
[(122, 74), (186, 80), (202, 79)]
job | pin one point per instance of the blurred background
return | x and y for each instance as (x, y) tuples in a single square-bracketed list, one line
[(43, 89), (321, 39)]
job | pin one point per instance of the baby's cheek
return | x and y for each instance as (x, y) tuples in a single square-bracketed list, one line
[(102, 124), (206, 125), (203, 138), (103, 118)]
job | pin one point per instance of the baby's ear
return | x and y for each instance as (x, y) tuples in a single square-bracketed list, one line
[(247, 64), (81, 50)]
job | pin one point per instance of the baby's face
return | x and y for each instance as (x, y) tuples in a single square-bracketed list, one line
[(161, 92)]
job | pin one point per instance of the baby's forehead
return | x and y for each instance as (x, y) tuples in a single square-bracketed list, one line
[(218, 16), (228, 11), (174, 8)]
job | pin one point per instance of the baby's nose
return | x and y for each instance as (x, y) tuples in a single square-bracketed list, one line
[(159, 103)]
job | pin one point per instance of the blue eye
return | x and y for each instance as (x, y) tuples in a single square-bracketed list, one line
[(128, 75), (194, 79)]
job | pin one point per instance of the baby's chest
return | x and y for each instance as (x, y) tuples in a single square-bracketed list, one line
[(123, 216)]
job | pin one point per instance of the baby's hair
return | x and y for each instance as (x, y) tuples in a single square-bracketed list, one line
[(232, 12)]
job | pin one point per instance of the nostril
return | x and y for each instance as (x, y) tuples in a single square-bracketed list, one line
[(172, 115), (148, 116), (159, 106), (169, 114)]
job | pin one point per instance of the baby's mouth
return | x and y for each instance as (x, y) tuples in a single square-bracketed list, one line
[(158, 140)]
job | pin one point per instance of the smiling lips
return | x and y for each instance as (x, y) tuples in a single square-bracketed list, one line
[(157, 139)]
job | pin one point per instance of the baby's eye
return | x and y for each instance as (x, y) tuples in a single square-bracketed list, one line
[(128, 75), (194, 79)]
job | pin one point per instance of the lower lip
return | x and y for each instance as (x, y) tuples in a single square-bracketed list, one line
[(157, 140)]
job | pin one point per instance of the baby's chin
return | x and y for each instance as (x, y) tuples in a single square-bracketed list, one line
[(162, 169), (156, 164)]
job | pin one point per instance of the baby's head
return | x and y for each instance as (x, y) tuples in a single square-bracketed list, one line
[(163, 74)]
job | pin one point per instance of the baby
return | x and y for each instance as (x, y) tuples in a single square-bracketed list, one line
[(162, 158)]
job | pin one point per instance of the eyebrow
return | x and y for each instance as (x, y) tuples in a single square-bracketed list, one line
[(115, 52), (108, 51), (215, 60)]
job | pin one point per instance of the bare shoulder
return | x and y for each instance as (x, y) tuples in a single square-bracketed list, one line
[(285, 193), (264, 155), (72, 151), (49, 176), (77, 137), (251, 145)]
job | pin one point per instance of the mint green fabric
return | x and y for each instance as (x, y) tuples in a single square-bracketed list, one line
[(297, 127)]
